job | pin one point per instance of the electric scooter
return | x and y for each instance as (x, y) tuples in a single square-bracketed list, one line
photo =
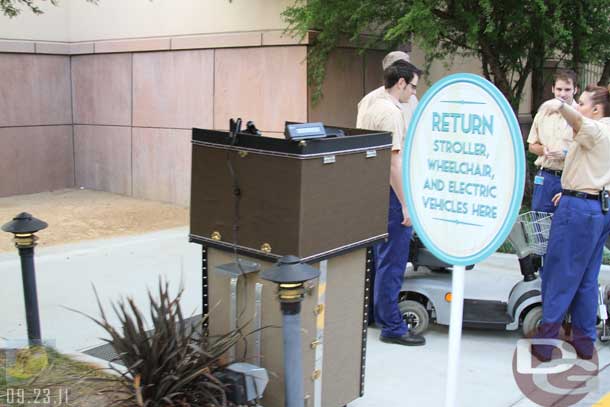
[(426, 292)]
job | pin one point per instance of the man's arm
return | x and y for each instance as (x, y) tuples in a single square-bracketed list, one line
[(587, 132), (536, 148), (569, 113), (396, 183), (533, 139)]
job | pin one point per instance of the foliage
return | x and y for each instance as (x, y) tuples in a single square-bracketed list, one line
[(171, 365), (590, 41), (62, 381), (511, 38), (12, 8)]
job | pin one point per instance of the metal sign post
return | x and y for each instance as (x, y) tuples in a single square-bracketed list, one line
[(463, 175), (455, 333)]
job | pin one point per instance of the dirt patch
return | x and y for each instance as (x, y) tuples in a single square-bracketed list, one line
[(74, 215)]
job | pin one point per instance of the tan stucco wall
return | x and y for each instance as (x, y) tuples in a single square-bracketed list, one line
[(78, 20), (50, 26)]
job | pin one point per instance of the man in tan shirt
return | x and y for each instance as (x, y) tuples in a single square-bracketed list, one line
[(407, 108), (549, 139), (386, 113)]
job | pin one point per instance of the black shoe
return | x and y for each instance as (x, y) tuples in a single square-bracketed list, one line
[(541, 355), (407, 339), (584, 349)]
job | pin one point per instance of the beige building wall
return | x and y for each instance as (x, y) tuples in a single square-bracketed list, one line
[(53, 25), (104, 96), (115, 19), (36, 143), (133, 112), (124, 119), (79, 20)]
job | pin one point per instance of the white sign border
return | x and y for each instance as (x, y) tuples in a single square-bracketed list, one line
[(519, 179)]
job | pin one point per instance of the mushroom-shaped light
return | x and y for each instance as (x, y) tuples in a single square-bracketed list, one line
[(23, 226), (290, 269)]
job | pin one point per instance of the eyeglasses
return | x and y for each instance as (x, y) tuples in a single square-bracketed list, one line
[(413, 86)]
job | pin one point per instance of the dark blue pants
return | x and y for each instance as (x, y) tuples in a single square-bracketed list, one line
[(542, 198), (391, 259), (543, 194), (578, 233)]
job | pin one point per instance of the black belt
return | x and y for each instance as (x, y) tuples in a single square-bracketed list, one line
[(579, 194), (554, 172)]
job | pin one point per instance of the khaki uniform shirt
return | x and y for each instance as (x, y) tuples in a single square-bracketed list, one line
[(385, 113), (367, 101), (587, 165), (552, 131)]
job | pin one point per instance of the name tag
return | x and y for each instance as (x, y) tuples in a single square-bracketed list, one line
[(538, 180)]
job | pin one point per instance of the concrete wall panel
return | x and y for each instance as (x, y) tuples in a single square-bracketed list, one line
[(373, 71), (266, 85), (34, 90), (162, 165), (103, 158), (35, 159), (173, 89), (101, 89), (343, 88)]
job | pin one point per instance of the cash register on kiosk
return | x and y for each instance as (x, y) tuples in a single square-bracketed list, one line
[(292, 131), (305, 131)]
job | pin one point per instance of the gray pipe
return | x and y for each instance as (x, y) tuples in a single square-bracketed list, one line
[(293, 367)]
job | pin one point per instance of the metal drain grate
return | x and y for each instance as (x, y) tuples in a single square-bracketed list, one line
[(104, 352), (107, 352)]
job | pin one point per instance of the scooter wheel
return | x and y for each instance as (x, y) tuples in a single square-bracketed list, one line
[(415, 315), (532, 321)]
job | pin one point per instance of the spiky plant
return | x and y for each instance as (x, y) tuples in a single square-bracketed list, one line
[(173, 363)]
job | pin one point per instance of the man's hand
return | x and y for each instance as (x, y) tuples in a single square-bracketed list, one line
[(406, 218), (556, 199), (553, 154)]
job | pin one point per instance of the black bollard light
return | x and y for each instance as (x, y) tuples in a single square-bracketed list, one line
[(290, 275), (23, 227)]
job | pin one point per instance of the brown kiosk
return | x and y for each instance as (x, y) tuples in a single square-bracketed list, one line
[(325, 201)]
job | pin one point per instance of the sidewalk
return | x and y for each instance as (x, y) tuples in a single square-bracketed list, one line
[(403, 376), (395, 375)]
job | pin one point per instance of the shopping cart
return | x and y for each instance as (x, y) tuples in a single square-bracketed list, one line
[(535, 228)]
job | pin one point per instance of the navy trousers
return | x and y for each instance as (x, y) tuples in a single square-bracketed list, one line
[(544, 193), (542, 198), (578, 233), (391, 259)]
